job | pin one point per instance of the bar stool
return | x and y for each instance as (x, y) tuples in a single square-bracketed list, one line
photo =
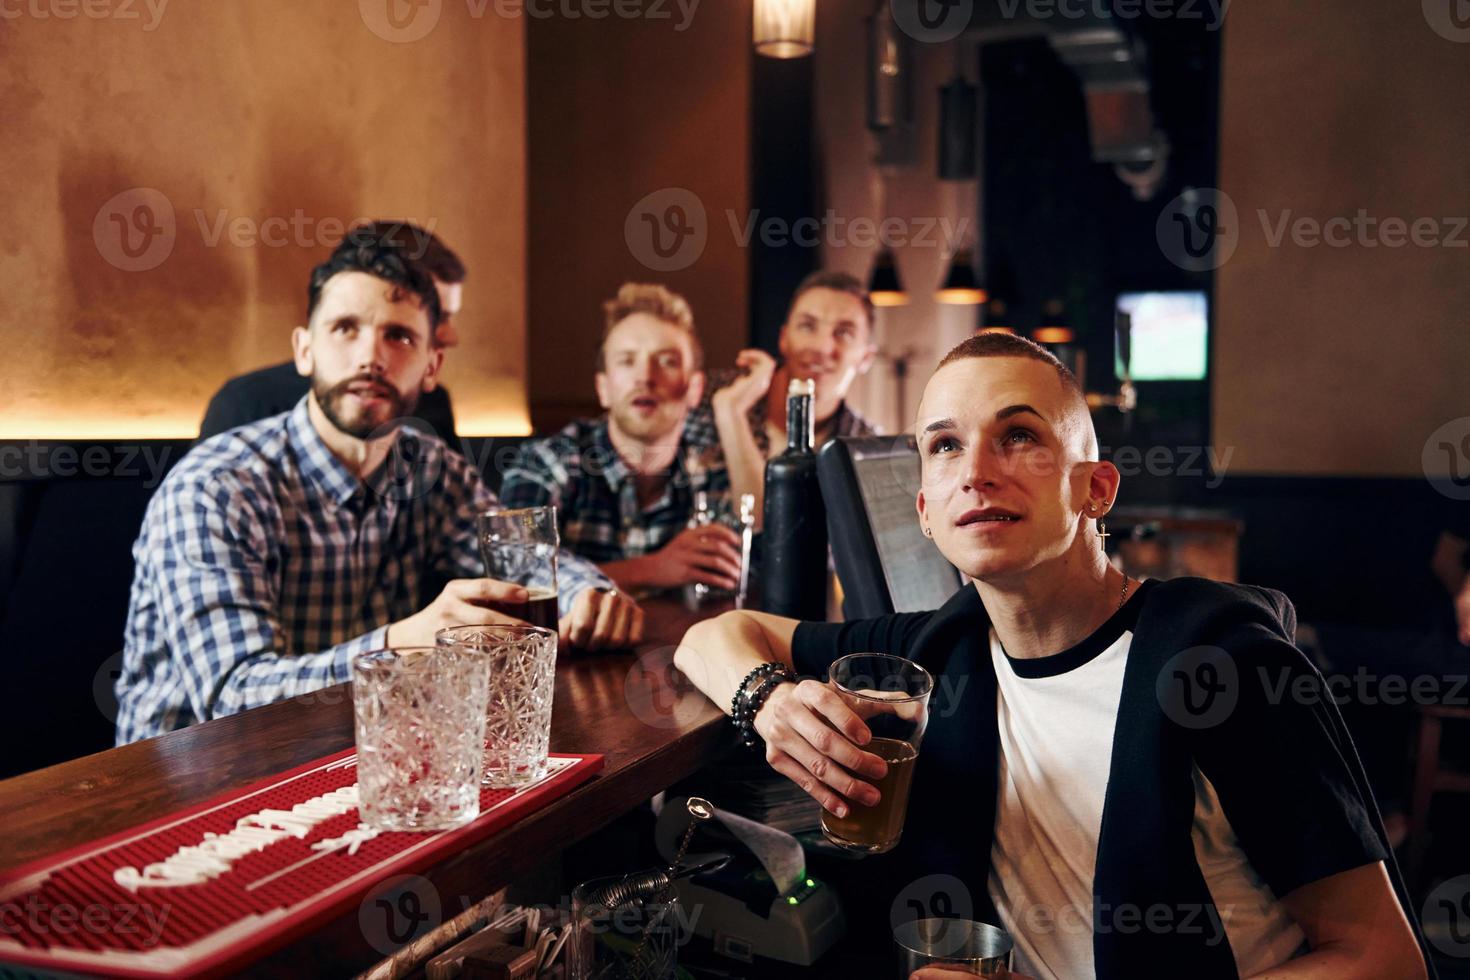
[(1430, 778)]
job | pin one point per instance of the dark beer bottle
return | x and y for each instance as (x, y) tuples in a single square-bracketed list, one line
[(794, 579)]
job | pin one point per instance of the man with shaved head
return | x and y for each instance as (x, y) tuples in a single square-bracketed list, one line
[(1124, 775)]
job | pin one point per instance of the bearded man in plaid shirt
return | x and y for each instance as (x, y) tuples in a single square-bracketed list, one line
[(274, 553)]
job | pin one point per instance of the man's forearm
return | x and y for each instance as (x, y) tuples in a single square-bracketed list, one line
[(717, 654), (1345, 964), (266, 677), (574, 575), (629, 573), (743, 458)]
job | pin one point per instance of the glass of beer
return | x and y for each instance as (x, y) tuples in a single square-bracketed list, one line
[(958, 945), (891, 696), (519, 547), (522, 662)]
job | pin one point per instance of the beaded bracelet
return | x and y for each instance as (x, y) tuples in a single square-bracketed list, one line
[(747, 703)]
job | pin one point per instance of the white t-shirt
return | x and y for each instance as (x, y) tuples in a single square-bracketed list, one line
[(1056, 717)]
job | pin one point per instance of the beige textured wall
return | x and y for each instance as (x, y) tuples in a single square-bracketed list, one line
[(258, 109), (620, 109), (1341, 361)]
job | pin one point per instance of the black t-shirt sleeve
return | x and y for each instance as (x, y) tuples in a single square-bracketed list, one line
[(816, 645), (1286, 772)]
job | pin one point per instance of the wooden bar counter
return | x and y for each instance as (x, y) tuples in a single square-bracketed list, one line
[(636, 709)]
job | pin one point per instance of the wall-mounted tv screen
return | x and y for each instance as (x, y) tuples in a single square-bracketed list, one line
[(1170, 336)]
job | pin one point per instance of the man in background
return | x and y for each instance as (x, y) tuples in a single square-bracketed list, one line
[(828, 339), (624, 485)]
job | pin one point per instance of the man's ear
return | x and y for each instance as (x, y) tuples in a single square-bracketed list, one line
[(919, 505), (599, 381), (869, 356), (431, 376), (695, 393), (783, 342), (301, 351), (1103, 482)]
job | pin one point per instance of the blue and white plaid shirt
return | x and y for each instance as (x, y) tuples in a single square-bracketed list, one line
[(580, 472), (264, 565)]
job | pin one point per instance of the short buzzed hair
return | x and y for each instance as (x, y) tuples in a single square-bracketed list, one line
[(995, 344), (658, 302)]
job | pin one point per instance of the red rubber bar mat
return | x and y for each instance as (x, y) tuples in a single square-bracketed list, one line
[(68, 912)]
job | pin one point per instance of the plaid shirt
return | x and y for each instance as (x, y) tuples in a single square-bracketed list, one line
[(581, 474), (264, 565), (701, 424)]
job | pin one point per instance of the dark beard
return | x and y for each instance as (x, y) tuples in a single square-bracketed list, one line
[(329, 398)]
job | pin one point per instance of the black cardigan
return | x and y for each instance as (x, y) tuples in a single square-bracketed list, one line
[(1283, 765)]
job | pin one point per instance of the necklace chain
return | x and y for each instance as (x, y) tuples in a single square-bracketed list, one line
[(1123, 598)]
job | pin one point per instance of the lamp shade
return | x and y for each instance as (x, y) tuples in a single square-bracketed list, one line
[(890, 72), (961, 287), (997, 315), (785, 28), (1054, 328), (884, 287), (1052, 335)]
